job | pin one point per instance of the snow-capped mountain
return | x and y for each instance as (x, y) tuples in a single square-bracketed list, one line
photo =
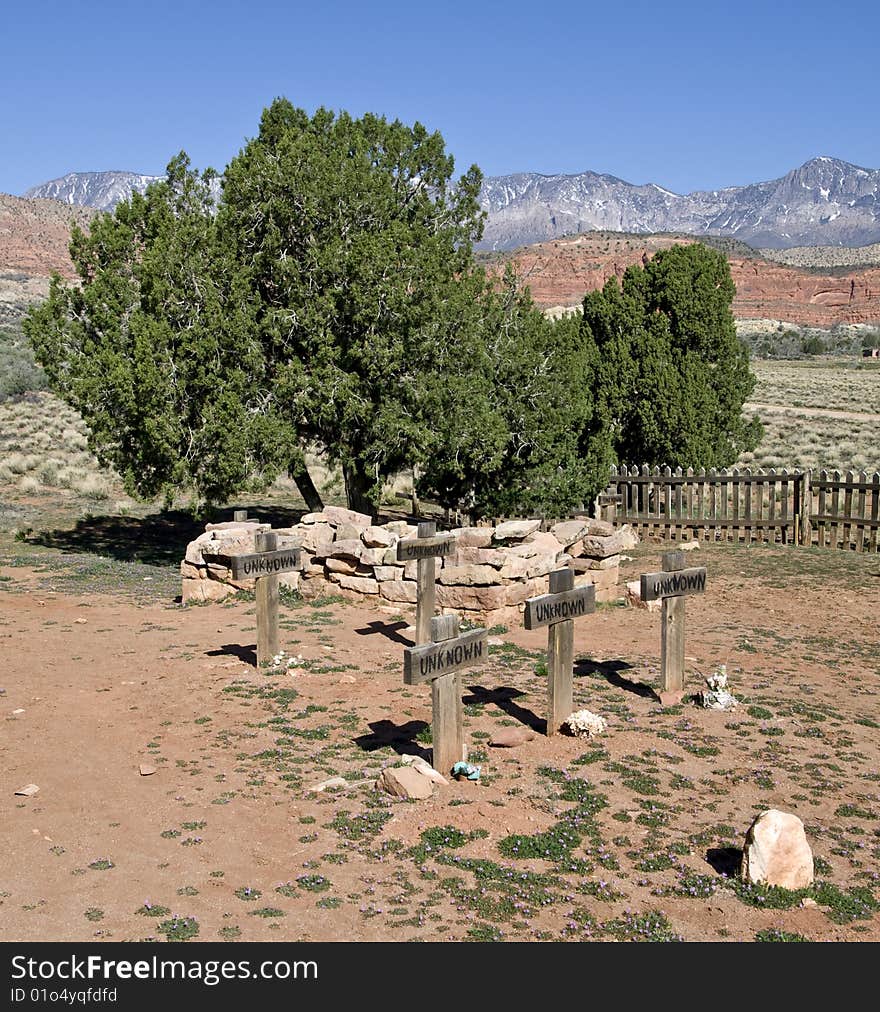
[(103, 190), (825, 202)]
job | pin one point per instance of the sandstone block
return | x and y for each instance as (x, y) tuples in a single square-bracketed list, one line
[(314, 518), (601, 546), (569, 531), (541, 566), (776, 851), (343, 564), (317, 534), (192, 572), (600, 528), (472, 598), (515, 568), (388, 573), (541, 543), (600, 578), (362, 584), (403, 591), (200, 591), (378, 537), (405, 782), (372, 556), (469, 576), (515, 529), (472, 537), (339, 515), (633, 594), (316, 586), (425, 768), (612, 562), (469, 556), (348, 532), (352, 547), (194, 549)]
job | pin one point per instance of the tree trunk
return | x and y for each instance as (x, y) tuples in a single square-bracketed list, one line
[(300, 474), (357, 485)]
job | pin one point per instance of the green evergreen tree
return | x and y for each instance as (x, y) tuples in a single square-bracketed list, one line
[(670, 375), (157, 348), (507, 430), (357, 240)]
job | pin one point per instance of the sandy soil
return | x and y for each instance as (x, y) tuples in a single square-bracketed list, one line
[(94, 686)]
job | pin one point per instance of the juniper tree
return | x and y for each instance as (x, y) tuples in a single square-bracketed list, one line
[(669, 376), (157, 347), (357, 239)]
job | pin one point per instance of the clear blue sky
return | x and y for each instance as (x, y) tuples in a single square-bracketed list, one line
[(690, 95)]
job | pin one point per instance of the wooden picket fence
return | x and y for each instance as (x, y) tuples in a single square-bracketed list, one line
[(786, 507)]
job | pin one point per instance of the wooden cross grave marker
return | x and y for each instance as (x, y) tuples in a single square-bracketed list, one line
[(425, 547), (440, 663), (671, 587), (558, 610), (264, 567)]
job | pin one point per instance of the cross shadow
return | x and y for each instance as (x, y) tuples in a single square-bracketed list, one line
[(401, 737), (503, 698), (725, 860), (610, 671), (247, 655), (389, 629)]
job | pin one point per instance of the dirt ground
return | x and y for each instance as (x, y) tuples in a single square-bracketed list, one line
[(631, 835)]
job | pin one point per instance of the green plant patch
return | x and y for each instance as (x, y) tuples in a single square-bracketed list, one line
[(179, 929), (778, 935), (153, 910)]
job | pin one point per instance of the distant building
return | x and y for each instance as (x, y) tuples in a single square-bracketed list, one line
[(870, 352)]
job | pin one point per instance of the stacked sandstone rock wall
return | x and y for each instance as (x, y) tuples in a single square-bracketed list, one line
[(488, 577)]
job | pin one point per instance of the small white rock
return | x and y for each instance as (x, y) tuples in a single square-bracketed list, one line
[(333, 782)]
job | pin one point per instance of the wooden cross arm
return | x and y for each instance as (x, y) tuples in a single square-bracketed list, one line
[(430, 661), (656, 586)]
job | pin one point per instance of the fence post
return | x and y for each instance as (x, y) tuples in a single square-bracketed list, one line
[(806, 505)]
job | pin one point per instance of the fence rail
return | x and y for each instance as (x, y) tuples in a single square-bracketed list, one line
[(790, 507)]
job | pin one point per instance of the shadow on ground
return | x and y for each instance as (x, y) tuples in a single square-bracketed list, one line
[(158, 539), (247, 655), (503, 697), (391, 630), (725, 860), (610, 671), (401, 737)]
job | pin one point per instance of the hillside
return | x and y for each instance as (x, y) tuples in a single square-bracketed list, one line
[(559, 273)]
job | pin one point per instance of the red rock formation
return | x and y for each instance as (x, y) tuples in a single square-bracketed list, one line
[(34, 235), (560, 273)]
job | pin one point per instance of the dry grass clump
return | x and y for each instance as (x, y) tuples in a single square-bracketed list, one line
[(44, 447), (841, 384), (807, 438)]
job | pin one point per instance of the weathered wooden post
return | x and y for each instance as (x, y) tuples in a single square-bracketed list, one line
[(425, 547), (264, 567), (558, 610), (440, 663), (671, 586)]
